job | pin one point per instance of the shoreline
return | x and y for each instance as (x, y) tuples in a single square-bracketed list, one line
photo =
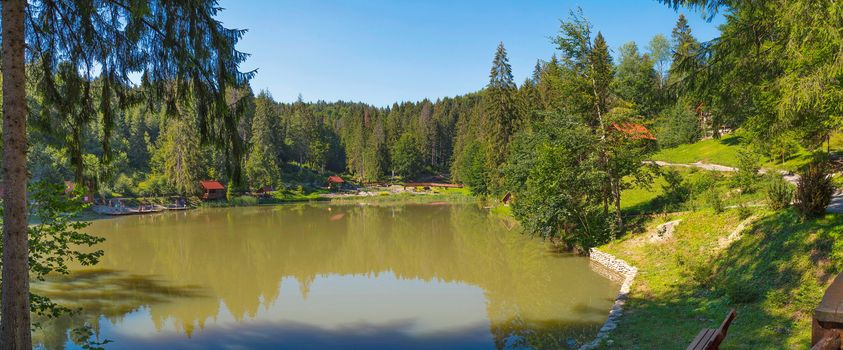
[(628, 273)]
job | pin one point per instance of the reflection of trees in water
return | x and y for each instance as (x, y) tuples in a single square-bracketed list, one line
[(239, 257)]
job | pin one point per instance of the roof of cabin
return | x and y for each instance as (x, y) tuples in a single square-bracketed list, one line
[(211, 185)]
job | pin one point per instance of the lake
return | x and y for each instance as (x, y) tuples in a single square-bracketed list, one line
[(325, 276)]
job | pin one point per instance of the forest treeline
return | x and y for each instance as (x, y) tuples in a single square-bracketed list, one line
[(467, 137), (566, 141)]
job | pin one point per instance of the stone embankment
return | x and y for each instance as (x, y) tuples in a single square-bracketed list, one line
[(627, 272)]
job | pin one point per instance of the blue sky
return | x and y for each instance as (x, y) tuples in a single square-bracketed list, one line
[(380, 52)]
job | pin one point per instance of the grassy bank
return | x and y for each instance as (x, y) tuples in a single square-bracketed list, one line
[(724, 151), (701, 186), (769, 266), (444, 194)]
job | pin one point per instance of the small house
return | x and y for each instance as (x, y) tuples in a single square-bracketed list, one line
[(264, 191), (212, 190), (507, 199), (335, 182)]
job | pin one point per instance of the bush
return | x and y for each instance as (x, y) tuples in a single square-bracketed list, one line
[(680, 125), (744, 211), (814, 190), (742, 292), (124, 185), (242, 201), (713, 200), (675, 190), (747, 175), (779, 193)]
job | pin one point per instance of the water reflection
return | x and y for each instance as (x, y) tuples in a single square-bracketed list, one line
[(329, 276)]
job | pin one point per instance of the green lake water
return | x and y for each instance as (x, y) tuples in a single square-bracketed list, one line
[(318, 276)]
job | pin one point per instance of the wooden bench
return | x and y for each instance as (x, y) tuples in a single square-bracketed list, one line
[(828, 316), (710, 339)]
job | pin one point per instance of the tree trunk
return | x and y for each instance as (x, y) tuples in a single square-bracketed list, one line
[(616, 194), (14, 313)]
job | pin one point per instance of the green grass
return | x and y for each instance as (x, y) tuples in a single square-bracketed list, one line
[(501, 210), (774, 275), (642, 199), (725, 152), (649, 200)]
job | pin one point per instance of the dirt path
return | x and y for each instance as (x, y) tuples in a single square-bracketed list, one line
[(836, 205)]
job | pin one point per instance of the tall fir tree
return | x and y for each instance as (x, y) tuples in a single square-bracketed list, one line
[(501, 113), (263, 167)]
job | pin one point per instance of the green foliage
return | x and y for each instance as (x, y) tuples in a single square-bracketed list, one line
[(562, 198), (262, 163), (179, 158), (678, 125), (471, 169), (502, 115), (813, 190), (779, 192), (407, 159), (714, 199), (637, 80), (124, 185), (55, 240), (676, 189), (747, 176), (659, 48)]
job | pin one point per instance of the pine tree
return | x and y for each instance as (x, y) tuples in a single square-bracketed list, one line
[(262, 163), (501, 112), (601, 73), (684, 47), (537, 73), (637, 81), (180, 155)]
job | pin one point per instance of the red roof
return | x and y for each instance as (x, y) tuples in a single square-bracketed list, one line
[(211, 185), (335, 179), (637, 131)]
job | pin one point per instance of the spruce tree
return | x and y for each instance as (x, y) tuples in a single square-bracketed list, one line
[(537, 73), (501, 112), (684, 47), (262, 164), (601, 73)]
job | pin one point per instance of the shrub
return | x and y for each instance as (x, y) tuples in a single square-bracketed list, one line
[(706, 181), (813, 190), (680, 125), (779, 193), (698, 267), (675, 190), (747, 175), (242, 201), (744, 211), (124, 185), (713, 200), (741, 292)]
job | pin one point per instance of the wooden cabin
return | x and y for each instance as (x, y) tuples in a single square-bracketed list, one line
[(264, 191), (507, 199), (335, 182), (212, 190)]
